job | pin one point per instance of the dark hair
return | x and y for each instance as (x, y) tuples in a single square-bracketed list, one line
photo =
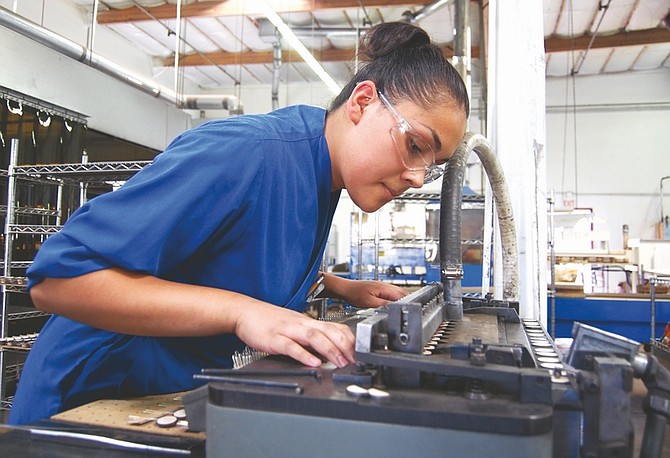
[(404, 64)]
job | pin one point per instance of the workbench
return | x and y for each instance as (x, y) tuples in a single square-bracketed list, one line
[(628, 315), (102, 428)]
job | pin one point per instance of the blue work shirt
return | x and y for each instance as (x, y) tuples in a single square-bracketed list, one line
[(242, 204)]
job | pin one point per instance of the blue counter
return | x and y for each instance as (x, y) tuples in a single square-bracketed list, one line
[(629, 317)]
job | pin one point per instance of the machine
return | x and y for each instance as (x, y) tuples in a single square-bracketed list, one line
[(441, 373)]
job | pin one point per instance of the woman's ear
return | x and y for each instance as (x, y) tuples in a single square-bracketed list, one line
[(361, 97)]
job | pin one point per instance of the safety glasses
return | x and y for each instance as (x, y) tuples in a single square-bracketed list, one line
[(416, 153)]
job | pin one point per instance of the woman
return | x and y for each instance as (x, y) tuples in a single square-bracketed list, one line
[(215, 245)]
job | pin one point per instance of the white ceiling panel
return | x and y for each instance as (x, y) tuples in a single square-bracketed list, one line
[(160, 31), (560, 63), (246, 31), (552, 10), (332, 17), (199, 38), (614, 17), (145, 42), (441, 25), (652, 56), (298, 19), (648, 14), (219, 34), (592, 62), (575, 21), (623, 58)]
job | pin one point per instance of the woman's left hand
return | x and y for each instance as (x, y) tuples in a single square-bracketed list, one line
[(362, 293)]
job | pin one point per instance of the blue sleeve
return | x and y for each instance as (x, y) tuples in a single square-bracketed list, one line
[(204, 186)]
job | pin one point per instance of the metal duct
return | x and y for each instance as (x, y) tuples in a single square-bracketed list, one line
[(451, 261), (266, 33), (81, 54), (427, 10)]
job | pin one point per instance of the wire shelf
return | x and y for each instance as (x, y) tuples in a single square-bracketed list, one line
[(36, 229), (6, 404), (91, 173), (21, 342), (27, 315), (17, 265), (14, 281)]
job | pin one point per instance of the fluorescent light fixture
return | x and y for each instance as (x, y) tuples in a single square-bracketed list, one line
[(295, 42)]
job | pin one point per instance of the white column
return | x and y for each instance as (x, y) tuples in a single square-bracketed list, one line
[(516, 130)]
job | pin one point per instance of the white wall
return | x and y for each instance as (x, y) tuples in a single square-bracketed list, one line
[(609, 146)]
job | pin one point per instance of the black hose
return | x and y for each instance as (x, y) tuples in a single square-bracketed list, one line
[(451, 261)]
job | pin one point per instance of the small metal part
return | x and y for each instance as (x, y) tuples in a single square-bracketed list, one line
[(136, 420), (355, 390), (548, 359), (545, 352), (166, 421), (476, 391), (246, 356), (361, 375), (180, 414), (559, 375), (378, 394), (452, 272)]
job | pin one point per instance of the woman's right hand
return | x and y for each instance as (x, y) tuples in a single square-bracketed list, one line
[(276, 330)]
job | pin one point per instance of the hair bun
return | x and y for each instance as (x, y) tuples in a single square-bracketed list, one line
[(390, 37)]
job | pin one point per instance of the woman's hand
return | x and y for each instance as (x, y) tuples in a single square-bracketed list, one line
[(277, 330), (361, 293)]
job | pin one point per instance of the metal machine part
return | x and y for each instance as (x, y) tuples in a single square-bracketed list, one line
[(346, 411), (489, 383), (441, 373)]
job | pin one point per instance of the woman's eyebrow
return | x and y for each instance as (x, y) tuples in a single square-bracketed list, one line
[(436, 139)]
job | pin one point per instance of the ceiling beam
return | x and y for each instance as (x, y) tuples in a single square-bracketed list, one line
[(552, 45), (236, 8), (247, 58), (634, 38)]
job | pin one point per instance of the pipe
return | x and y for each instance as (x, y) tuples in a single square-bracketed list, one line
[(212, 102), (79, 53), (451, 262), (661, 186), (427, 10), (177, 48), (462, 49), (276, 68), (408, 16)]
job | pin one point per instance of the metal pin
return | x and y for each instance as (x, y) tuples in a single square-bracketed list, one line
[(279, 373), (246, 381)]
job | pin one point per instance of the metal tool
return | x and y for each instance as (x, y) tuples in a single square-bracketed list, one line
[(297, 387), (261, 373)]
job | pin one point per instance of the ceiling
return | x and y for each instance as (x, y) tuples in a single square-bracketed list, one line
[(223, 43)]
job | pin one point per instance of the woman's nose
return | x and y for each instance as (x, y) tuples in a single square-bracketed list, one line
[(414, 177)]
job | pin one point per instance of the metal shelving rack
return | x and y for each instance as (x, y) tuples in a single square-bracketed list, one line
[(85, 176), (356, 271)]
